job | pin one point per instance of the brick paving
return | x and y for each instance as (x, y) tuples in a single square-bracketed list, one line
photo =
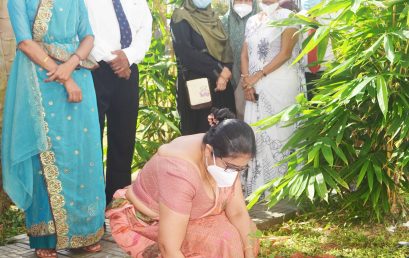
[(21, 248), (264, 218)]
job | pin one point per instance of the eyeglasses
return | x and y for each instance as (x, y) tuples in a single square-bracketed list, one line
[(236, 168)]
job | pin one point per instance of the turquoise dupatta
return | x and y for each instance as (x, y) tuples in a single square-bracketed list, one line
[(25, 139)]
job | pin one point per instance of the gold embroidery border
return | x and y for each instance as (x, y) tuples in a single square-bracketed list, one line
[(46, 229), (43, 17), (81, 241), (60, 54), (41, 229), (57, 200)]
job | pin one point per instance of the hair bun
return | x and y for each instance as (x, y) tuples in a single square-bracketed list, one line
[(222, 114)]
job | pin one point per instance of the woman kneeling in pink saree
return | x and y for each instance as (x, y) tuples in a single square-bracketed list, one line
[(187, 201)]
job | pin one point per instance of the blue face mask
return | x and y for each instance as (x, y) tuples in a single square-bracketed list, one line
[(202, 4), (308, 4)]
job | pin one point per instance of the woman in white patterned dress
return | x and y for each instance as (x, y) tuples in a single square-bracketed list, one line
[(271, 84)]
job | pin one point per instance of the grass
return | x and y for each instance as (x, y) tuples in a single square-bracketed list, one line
[(334, 234), (11, 224)]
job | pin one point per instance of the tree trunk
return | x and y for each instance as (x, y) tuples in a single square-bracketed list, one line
[(7, 52)]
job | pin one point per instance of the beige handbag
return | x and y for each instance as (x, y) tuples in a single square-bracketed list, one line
[(198, 92)]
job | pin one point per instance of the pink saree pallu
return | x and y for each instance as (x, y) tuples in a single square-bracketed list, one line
[(211, 236)]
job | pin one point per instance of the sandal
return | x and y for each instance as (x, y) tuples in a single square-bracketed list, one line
[(95, 248), (46, 253)]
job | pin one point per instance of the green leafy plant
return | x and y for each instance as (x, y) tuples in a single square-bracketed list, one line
[(11, 224), (352, 137), (158, 121)]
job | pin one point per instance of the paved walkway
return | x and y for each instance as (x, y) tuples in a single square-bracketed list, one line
[(262, 217), (20, 248)]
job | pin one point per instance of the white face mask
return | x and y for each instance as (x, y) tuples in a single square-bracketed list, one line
[(201, 4), (242, 9), (269, 9), (223, 177)]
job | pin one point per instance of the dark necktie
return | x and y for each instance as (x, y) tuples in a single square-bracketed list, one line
[(124, 29)]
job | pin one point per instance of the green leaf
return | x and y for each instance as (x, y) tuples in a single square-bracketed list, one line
[(362, 173), (339, 152), (341, 130), (140, 149), (322, 48), (295, 185), (369, 175), (321, 187), (269, 121), (331, 7), (290, 112), (356, 5), (313, 153), (347, 64), (370, 51), (378, 172), (331, 183), (316, 162), (375, 196), (327, 152), (311, 188), (358, 88), (382, 94), (335, 175), (388, 46), (303, 186), (319, 35)]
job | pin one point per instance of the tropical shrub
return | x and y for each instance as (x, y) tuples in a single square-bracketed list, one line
[(158, 121), (352, 138)]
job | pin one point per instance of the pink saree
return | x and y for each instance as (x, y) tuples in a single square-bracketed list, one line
[(210, 236)]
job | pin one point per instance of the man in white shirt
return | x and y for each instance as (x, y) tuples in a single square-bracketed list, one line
[(123, 31), (314, 72)]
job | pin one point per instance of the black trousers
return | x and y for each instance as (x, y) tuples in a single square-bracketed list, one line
[(310, 79), (118, 101)]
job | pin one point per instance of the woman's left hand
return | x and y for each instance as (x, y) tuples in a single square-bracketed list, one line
[(63, 71)]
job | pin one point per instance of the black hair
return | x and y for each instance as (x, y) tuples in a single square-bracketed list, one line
[(230, 136)]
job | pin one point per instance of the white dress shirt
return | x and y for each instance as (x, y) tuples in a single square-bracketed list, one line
[(105, 26)]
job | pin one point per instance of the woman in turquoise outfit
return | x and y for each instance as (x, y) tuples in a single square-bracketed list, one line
[(51, 150)]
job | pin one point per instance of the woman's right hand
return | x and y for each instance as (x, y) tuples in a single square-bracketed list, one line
[(224, 77), (63, 71), (221, 84), (74, 92), (249, 94)]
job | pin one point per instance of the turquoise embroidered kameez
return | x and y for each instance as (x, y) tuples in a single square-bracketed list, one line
[(51, 149)]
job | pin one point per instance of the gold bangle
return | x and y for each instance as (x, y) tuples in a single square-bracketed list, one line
[(248, 247), (45, 59)]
